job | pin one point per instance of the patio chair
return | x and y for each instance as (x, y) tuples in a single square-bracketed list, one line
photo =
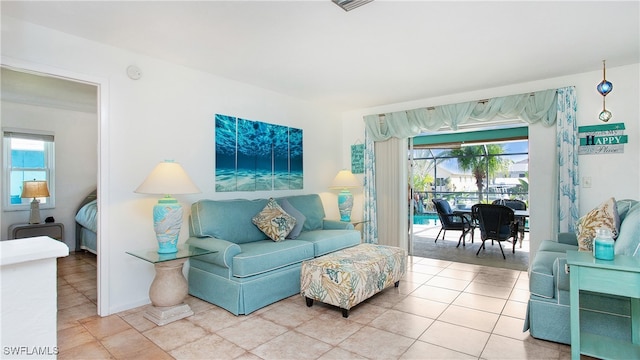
[(515, 205), (496, 222), (450, 220)]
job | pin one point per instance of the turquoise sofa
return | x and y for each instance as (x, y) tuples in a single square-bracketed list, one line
[(548, 315), (249, 270)]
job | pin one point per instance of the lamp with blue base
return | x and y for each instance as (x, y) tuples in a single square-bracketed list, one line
[(167, 221), (344, 181), (168, 177)]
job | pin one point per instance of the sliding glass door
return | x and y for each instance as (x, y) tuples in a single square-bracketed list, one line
[(464, 169)]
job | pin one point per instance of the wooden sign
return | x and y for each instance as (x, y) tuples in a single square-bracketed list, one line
[(357, 159), (602, 139)]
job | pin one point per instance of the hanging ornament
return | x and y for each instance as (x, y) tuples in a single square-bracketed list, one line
[(604, 88)]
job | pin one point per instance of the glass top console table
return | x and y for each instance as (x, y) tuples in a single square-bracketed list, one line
[(169, 287)]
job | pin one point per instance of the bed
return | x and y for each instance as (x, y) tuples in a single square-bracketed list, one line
[(86, 224)]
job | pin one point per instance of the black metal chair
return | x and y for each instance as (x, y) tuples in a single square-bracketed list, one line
[(450, 220), (515, 205), (496, 222)]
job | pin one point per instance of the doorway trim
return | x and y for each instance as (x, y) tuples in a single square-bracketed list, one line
[(102, 85)]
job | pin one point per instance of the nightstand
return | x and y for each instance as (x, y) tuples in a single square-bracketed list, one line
[(52, 230)]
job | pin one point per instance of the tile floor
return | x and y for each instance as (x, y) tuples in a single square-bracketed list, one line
[(441, 310)]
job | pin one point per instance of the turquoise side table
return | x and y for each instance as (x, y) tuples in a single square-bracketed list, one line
[(620, 276)]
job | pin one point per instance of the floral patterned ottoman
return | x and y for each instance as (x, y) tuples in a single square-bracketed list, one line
[(347, 277)]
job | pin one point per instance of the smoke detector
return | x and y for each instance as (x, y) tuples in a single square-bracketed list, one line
[(347, 5), (134, 72)]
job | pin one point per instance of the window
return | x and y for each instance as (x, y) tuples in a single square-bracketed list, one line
[(28, 155)]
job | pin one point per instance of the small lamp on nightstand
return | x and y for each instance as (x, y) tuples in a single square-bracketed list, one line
[(344, 181), (168, 177), (34, 189)]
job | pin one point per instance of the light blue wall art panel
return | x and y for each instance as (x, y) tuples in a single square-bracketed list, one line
[(263, 146), (225, 135), (296, 179), (248, 153), (280, 157)]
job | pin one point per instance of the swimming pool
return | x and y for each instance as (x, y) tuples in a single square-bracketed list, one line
[(426, 219)]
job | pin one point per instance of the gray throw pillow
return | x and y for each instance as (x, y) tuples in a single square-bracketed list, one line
[(300, 218)]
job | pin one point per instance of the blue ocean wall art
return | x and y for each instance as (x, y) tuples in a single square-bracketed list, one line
[(257, 156)]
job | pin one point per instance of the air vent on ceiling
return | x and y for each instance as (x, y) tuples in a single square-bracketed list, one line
[(347, 5)]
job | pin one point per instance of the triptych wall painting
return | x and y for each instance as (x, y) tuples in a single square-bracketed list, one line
[(256, 156)]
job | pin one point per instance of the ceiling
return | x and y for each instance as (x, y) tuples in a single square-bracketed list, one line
[(381, 53)]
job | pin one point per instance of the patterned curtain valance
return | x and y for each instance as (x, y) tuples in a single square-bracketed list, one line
[(540, 106)]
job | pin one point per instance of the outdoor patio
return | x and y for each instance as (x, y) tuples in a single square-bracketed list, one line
[(425, 246)]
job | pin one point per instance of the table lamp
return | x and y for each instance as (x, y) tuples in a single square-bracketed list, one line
[(167, 178), (34, 189), (345, 180)]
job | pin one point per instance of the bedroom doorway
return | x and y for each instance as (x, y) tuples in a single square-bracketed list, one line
[(81, 98)]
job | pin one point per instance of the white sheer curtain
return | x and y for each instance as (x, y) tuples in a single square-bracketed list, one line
[(391, 189)]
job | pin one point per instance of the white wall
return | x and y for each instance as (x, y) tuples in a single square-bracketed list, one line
[(167, 114), (76, 139), (614, 175)]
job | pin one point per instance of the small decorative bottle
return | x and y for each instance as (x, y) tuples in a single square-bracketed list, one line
[(603, 245)]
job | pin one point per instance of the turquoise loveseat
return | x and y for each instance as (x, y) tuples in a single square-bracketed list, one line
[(548, 311), (250, 271)]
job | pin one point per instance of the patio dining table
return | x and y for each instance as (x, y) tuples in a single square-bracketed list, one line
[(518, 214)]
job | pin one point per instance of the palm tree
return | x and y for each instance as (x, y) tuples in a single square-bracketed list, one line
[(475, 159), (422, 175), (422, 180)]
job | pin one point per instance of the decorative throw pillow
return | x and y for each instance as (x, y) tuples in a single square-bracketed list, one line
[(603, 216), (274, 222), (300, 218)]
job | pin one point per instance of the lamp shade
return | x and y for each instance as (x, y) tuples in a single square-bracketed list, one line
[(345, 180), (34, 189), (168, 177)]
